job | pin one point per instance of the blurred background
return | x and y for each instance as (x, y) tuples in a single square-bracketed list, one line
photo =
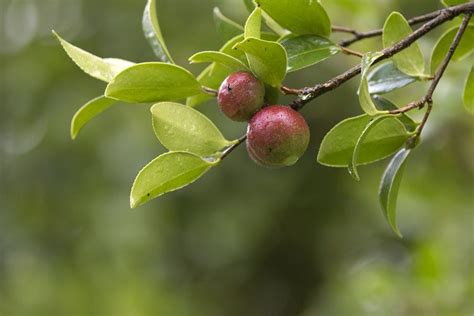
[(243, 240)]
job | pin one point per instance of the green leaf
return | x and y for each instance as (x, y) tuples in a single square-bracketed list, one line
[(226, 28), (99, 68), (382, 141), (390, 185), (153, 82), (86, 113), (441, 48), (307, 50), (267, 60), (152, 31), (365, 99), (384, 104), (181, 128), (410, 60), (167, 173), (469, 92), (355, 154), (448, 3), (299, 16), (220, 58), (386, 78), (253, 25)]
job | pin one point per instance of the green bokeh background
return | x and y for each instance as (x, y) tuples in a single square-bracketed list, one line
[(243, 240)]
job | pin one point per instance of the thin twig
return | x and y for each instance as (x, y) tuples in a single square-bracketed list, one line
[(352, 52), (210, 91), (231, 148)]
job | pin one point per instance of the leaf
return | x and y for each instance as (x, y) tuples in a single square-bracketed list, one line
[(86, 113), (386, 78), (307, 50), (254, 24), (448, 3), (152, 31), (299, 16), (267, 60), (384, 104), (220, 58), (167, 173), (390, 185), (409, 60), (153, 82), (441, 48), (469, 92), (365, 99), (382, 141), (181, 128), (226, 28), (99, 68), (355, 154)]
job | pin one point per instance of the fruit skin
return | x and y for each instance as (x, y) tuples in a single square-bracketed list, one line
[(277, 136), (240, 96)]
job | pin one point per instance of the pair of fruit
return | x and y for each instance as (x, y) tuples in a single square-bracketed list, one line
[(277, 135)]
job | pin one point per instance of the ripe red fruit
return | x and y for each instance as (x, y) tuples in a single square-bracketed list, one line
[(277, 136), (240, 96)]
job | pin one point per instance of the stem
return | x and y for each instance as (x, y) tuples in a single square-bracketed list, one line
[(231, 148), (348, 51), (210, 91)]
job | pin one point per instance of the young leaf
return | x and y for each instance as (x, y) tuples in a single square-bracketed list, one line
[(382, 141), (153, 82), (167, 173), (384, 104), (99, 68), (152, 31), (267, 60), (307, 50), (386, 78), (299, 16), (86, 113), (448, 3), (254, 24), (355, 154), (389, 186), (441, 48), (365, 99), (410, 60), (469, 92), (181, 128), (220, 58), (226, 28)]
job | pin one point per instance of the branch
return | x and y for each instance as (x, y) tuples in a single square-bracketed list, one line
[(309, 94), (357, 36)]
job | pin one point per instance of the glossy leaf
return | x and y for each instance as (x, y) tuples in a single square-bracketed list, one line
[(307, 50), (365, 99), (448, 3), (99, 68), (267, 60), (390, 185), (409, 60), (299, 16), (226, 28), (181, 128), (469, 92), (152, 31), (86, 113), (441, 48), (384, 104), (253, 25), (382, 141), (167, 173), (220, 58), (153, 82), (386, 78), (355, 154)]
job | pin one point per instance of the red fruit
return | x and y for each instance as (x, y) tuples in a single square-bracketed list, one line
[(240, 96), (277, 136)]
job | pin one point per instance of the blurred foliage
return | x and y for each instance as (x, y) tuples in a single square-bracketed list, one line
[(306, 240)]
